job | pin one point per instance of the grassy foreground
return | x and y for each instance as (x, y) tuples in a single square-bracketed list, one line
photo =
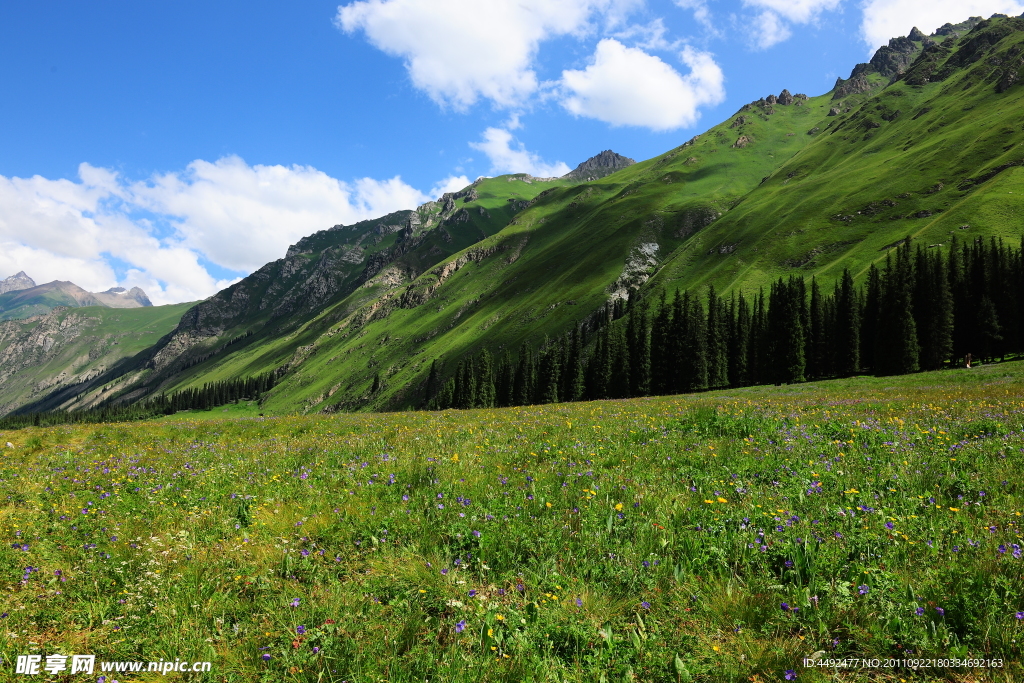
[(719, 537)]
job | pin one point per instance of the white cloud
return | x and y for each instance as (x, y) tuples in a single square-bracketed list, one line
[(228, 213), (771, 24), (650, 36), (458, 51), (242, 216), (885, 19), (449, 184), (797, 11), (767, 30), (627, 87), (498, 146)]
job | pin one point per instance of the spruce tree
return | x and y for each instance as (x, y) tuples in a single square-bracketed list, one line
[(739, 344), (817, 357), (871, 320), (485, 391), (717, 342), (847, 327)]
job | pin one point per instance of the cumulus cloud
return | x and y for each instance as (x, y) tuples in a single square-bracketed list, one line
[(162, 233), (510, 156), (450, 184), (798, 11), (885, 19), (650, 36), (625, 86), (771, 23), (458, 51), (767, 30)]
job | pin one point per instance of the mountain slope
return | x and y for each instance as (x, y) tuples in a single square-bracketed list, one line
[(57, 352), (258, 323), (924, 141), (24, 302), (16, 282), (556, 263), (936, 153)]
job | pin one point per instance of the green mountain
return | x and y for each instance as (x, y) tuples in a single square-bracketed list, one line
[(55, 355), (924, 142)]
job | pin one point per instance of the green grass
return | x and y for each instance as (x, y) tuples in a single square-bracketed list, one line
[(618, 540)]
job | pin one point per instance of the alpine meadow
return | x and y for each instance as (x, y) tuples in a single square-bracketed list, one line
[(751, 410)]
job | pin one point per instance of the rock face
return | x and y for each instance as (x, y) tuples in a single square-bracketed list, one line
[(605, 163), (742, 141), (785, 97), (893, 59), (851, 86), (916, 35), (16, 283)]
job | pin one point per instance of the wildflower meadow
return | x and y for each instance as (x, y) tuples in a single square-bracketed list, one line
[(755, 534)]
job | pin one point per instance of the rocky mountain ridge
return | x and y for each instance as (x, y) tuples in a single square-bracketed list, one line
[(599, 166), (23, 298), (16, 282)]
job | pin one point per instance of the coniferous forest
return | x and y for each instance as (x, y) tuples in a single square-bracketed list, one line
[(924, 309)]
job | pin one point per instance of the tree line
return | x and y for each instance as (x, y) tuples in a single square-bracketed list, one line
[(211, 395), (922, 310)]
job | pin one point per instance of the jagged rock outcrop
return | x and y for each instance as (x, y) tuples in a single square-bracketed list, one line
[(742, 141), (605, 163), (1010, 77), (16, 282), (893, 59), (916, 35), (785, 97)]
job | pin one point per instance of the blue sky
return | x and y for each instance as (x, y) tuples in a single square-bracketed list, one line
[(179, 146)]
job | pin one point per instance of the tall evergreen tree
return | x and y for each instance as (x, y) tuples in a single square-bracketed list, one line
[(818, 349), (485, 391), (739, 343), (871, 308), (847, 327), (717, 342)]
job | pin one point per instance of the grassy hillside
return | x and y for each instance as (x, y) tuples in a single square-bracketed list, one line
[(716, 538), (69, 346), (924, 141), (778, 189), (928, 159)]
